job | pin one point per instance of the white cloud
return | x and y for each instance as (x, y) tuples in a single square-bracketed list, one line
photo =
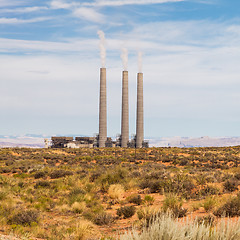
[(19, 46), (8, 3), (59, 4), (128, 2), (87, 10), (22, 21), (89, 14), (24, 10)]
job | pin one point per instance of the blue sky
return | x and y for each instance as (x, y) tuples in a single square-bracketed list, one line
[(49, 65)]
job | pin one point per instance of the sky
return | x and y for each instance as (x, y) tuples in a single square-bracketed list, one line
[(50, 60)]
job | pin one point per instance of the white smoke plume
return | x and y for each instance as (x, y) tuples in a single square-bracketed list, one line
[(124, 57), (140, 65), (102, 48)]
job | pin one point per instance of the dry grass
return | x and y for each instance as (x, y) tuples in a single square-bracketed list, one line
[(84, 230), (79, 207), (116, 191), (167, 228)]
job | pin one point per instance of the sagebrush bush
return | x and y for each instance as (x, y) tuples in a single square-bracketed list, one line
[(60, 173), (3, 195), (40, 174), (209, 204), (230, 185), (149, 200), (135, 198), (24, 217), (173, 204), (209, 190), (148, 214), (103, 218), (230, 209), (116, 176), (76, 191), (153, 185), (126, 211), (42, 184)]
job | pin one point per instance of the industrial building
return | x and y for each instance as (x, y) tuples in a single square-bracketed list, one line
[(101, 140), (79, 142)]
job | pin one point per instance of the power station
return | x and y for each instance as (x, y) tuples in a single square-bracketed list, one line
[(101, 140), (102, 136)]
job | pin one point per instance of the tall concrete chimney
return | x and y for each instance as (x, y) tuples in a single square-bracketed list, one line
[(125, 111), (103, 109), (140, 127)]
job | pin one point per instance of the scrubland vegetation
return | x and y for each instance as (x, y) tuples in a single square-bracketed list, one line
[(119, 193)]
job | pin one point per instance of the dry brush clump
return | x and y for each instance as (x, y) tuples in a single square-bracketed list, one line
[(84, 230), (126, 211), (24, 217), (172, 203), (230, 209), (167, 228), (116, 191)]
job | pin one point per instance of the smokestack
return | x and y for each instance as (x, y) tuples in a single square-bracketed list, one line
[(103, 109), (125, 111), (140, 127)]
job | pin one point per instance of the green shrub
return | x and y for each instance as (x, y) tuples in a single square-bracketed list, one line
[(117, 175), (126, 212), (149, 200), (24, 217), (103, 219), (60, 173), (230, 209), (148, 214), (230, 185), (76, 191), (209, 204), (135, 198), (154, 186), (237, 176), (42, 184), (209, 190), (40, 174), (3, 195), (179, 212), (174, 205)]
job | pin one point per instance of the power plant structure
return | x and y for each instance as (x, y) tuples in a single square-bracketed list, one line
[(101, 140), (102, 137), (140, 118), (125, 111)]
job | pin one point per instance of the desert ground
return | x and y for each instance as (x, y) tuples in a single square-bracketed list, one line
[(105, 193)]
